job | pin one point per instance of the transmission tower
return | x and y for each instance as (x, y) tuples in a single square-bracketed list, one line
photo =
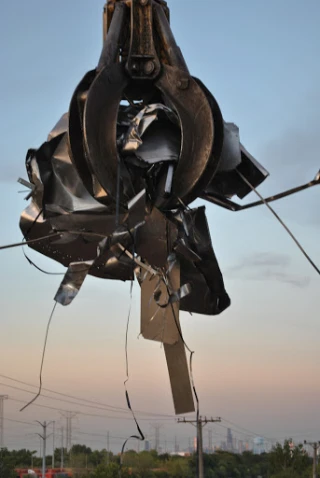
[(44, 438), (176, 445), (2, 399), (157, 427), (69, 416)]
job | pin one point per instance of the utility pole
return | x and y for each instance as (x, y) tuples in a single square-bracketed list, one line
[(62, 451), (210, 440), (200, 423), (108, 448), (44, 438), (315, 446), (53, 444), (2, 399)]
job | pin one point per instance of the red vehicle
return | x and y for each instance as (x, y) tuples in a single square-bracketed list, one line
[(37, 473)]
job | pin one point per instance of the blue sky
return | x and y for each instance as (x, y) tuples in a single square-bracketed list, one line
[(256, 363)]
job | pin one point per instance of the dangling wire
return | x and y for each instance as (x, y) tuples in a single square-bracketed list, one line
[(118, 193), (42, 359), (141, 435), (30, 241), (39, 268), (281, 222)]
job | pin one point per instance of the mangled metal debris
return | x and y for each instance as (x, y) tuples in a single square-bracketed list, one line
[(142, 140)]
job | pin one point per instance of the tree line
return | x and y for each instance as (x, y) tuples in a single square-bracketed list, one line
[(283, 461)]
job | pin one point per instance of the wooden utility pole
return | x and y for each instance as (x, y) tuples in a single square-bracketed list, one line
[(2, 398), (199, 423), (315, 446), (53, 442)]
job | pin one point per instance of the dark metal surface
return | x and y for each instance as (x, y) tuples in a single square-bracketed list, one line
[(196, 164), (143, 61), (112, 42), (75, 138), (100, 126), (170, 52)]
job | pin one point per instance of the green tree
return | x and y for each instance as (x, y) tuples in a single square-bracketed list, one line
[(289, 461), (178, 467), (6, 464), (146, 462), (109, 471)]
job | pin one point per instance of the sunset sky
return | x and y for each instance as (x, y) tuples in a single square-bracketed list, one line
[(257, 364)]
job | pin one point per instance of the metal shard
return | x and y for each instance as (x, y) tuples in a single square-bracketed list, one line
[(72, 282), (60, 128), (179, 378), (132, 139), (227, 182), (155, 238), (137, 210), (231, 152), (160, 297), (214, 298), (157, 323)]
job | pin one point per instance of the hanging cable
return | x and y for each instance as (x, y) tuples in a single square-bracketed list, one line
[(141, 435), (31, 241), (39, 268), (101, 406), (42, 359), (282, 223)]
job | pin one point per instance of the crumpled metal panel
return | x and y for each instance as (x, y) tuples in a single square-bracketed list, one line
[(234, 157), (231, 151), (138, 125), (161, 143)]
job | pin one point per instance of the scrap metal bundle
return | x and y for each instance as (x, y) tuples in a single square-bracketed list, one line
[(141, 141)]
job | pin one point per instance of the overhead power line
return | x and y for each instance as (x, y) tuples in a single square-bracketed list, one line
[(245, 430), (86, 414), (18, 421), (107, 406), (57, 399)]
